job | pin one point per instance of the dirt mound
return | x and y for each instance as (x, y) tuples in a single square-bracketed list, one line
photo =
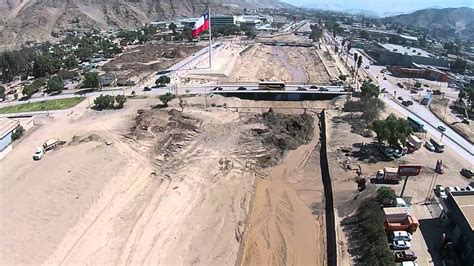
[(80, 139), (282, 133), (169, 130)]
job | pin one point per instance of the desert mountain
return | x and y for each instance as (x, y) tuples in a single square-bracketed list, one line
[(455, 20), (36, 20)]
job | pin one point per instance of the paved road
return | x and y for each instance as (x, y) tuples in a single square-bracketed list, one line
[(450, 138)]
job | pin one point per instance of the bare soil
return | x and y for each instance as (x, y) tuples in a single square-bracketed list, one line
[(156, 186)]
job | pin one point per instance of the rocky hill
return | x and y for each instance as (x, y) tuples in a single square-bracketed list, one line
[(454, 20), (38, 20)]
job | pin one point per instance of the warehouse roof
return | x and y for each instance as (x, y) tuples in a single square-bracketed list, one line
[(7, 125), (405, 50), (465, 201)]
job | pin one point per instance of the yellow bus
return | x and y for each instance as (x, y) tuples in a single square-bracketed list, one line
[(269, 85)]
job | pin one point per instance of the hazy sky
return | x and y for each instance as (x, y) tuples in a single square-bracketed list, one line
[(385, 5)]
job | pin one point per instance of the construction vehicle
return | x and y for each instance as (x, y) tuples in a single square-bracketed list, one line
[(51, 144), (388, 174), (399, 219), (48, 145)]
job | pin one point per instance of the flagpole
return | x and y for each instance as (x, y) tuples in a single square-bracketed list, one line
[(210, 54)]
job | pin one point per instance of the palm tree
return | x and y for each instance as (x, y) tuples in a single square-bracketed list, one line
[(359, 63), (356, 56)]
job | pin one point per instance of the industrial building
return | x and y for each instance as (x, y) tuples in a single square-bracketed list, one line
[(7, 127), (422, 72), (222, 21), (397, 55), (459, 212)]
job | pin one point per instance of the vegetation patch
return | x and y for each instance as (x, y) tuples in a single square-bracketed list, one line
[(59, 104)]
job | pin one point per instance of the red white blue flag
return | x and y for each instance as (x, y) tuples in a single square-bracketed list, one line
[(202, 24)]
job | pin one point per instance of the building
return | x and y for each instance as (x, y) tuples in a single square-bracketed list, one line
[(107, 80), (459, 209), (222, 21), (7, 127), (421, 72), (397, 55)]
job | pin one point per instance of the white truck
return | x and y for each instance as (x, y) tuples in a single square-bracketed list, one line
[(388, 175), (50, 144), (415, 141)]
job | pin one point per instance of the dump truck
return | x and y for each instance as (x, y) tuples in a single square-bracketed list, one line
[(51, 144), (399, 219), (48, 145), (415, 141), (388, 175)]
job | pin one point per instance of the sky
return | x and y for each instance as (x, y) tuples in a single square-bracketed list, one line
[(381, 6)]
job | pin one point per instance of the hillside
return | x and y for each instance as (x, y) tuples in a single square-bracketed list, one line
[(37, 20), (454, 20)]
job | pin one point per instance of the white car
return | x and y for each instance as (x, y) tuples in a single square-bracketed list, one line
[(39, 153), (453, 189), (429, 146), (441, 192), (401, 235), (401, 244)]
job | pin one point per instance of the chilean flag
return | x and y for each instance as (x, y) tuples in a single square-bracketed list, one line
[(202, 24)]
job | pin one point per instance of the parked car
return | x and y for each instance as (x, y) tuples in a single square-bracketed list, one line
[(410, 102), (469, 188), (440, 191), (442, 128), (429, 146), (217, 89), (397, 153), (401, 244), (400, 85), (146, 89), (241, 89), (401, 235), (405, 103), (313, 87), (405, 255), (301, 89), (467, 173), (437, 92), (413, 91), (400, 98), (323, 89), (367, 67)]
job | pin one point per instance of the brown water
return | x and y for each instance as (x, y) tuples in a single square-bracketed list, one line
[(282, 229)]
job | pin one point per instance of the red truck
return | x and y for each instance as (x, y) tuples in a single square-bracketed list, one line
[(398, 219)]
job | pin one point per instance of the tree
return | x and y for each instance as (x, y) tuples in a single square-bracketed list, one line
[(393, 130), (356, 56), (385, 195), (364, 35), (166, 98), (43, 65), (18, 133), (55, 84), (91, 80), (172, 27), (342, 77), (28, 91), (120, 99), (459, 66), (187, 33), (2, 93), (316, 33), (104, 102), (417, 84), (70, 62), (370, 90), (162, 80), (359, 61)]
